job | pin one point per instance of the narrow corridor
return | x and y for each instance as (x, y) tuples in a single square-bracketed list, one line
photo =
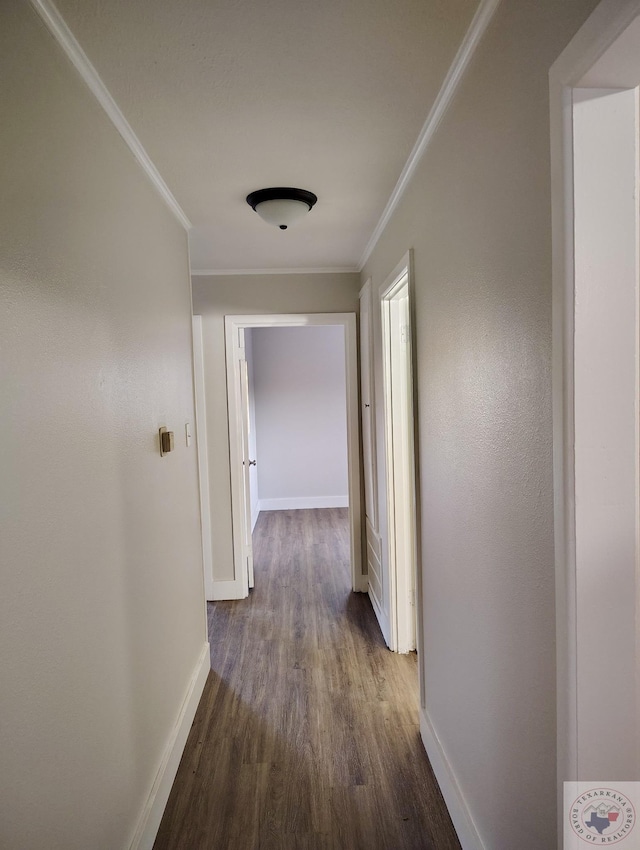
[(307, 733)]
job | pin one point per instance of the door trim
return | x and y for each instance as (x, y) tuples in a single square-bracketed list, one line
[(233, 324), (602, 28), (368, 401)]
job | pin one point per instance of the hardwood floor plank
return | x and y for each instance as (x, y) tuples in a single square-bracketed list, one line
[(307, 733)]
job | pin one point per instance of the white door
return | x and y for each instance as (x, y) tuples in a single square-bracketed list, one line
[(247, 463), (400, 454), (403, 505)]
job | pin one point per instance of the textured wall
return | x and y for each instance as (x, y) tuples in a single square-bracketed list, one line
[(477, 214), (101, 609), (216, 297)]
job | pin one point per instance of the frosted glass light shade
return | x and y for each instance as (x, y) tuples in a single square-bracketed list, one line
[(281, 205), (282, 212)]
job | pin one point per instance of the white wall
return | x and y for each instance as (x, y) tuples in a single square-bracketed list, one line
[(477, 214), (217, 296), (300, 401), (102, 606)]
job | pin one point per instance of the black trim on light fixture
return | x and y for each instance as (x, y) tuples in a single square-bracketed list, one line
[(281, 193)]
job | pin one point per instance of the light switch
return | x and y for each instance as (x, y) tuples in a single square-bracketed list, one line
[(187, 433), (166, 441)]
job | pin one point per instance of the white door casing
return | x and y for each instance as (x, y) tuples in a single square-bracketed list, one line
[(367, 410), (373, 541), (594, 143)]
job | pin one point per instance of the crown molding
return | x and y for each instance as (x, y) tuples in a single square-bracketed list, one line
[(69, 44), (477, 29), (225, 272)]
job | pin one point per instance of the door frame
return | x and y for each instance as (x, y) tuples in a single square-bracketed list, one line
[(232, 325), (203, 459), (403, 580), (608, 21)]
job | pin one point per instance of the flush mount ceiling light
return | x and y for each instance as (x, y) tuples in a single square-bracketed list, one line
[(281, 206)]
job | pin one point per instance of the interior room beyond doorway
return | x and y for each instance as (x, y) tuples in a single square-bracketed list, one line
[(293, 424), (297, 418)]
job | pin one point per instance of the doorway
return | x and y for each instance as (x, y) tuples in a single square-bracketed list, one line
[(594, 120), (400, 457), (239, 414)]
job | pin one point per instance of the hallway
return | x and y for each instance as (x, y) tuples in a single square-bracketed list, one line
[(307, 732)]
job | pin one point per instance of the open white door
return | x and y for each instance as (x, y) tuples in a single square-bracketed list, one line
[(238, 389), (246, 466), (400, 455)]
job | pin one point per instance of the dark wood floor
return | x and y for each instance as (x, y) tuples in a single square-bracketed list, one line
[(306, 737)]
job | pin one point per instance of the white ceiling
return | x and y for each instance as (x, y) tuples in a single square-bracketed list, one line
[(228, 96)]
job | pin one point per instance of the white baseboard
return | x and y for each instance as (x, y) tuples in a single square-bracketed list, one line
[(224, 590), (460, 815), (151, 815), (298, 503)]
